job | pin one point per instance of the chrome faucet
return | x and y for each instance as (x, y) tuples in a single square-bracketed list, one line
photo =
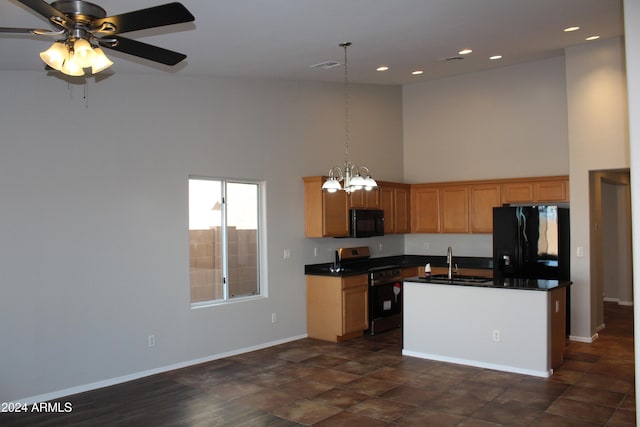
[(450, 262)]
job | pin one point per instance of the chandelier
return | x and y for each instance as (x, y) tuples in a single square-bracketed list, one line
[(352, 176), (74, 54)]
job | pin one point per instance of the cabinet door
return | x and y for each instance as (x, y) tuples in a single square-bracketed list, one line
[(482, 199), (557, 323), (551, 191), (363, 199), (335, 216), (387, 204), (425, 209), (517, 192), (402, 207), (454, 202), (355, 308)]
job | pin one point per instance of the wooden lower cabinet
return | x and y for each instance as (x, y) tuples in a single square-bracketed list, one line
[(337, 307), (557, 326)]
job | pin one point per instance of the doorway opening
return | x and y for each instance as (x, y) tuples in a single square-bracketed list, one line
[(610, 240)]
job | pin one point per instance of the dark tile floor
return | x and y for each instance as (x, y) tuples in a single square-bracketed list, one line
[(367, 382)]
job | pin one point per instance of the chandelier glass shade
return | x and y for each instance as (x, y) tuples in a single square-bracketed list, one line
[(350, 177), (72, 58)]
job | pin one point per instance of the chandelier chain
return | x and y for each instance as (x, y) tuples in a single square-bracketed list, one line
[(347, 116)]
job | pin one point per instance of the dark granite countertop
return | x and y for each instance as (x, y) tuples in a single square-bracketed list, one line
[(362, 267), (505, 283)]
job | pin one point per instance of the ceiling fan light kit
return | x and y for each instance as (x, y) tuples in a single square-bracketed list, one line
[(85, 28)]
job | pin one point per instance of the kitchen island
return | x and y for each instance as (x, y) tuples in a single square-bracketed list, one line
[(513, 325)]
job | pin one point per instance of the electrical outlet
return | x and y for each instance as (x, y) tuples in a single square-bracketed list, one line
[(287, 253), (315, 252), (380, 246), (274, 317), (496, 335), (427, 245), (580, 251), (151, 341)]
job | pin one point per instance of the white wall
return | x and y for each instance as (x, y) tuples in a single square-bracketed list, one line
[(632, 59), (434, 328), (94, 244), (503, 123), (598, 139), (552, 117)]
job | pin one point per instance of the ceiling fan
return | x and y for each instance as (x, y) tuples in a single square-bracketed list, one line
[(83, 28)]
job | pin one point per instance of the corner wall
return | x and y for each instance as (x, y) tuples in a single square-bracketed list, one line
[(598, 139), (632, 40)]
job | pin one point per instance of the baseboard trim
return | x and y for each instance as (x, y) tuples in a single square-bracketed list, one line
[(137, 375), (587, 340), (617, 301), (478, 364)]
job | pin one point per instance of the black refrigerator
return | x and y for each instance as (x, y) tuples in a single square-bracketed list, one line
[(531, 242)]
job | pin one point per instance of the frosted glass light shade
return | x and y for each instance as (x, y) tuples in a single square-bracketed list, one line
[(369, 183), (55, 56), (100, 61), (331, 185), (71, 68), (83, 53)]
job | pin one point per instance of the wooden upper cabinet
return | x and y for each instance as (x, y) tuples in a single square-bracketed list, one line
[(536, 190), (388, 205), (454, 205), (448, 207), (551, 191), (482, 199), (425, 209), (395, 201), (403, 209), (325, 214), (517, 192), (363, 199)]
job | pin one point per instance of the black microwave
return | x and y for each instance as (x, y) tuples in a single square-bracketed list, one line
[(366, 222)]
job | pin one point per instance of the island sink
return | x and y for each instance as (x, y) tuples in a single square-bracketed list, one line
[(458, 278)]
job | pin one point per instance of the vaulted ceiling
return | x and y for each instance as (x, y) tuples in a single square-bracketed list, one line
[(283, 38)]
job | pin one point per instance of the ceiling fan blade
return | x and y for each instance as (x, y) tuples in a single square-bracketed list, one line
[(10, 30), (144, 50), (157, 16), (48, 11)]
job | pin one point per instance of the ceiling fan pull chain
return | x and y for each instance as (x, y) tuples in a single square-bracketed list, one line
[(85, 95)]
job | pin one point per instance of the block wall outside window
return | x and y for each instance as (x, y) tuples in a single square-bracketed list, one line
[(223, 215)]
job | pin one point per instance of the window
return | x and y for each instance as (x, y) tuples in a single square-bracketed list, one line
[(224, 239)]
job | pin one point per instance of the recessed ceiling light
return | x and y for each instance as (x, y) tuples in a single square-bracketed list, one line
[(569, 29), (496, 57), (382, 68), (465, 51), (592, 38), (417, 72)]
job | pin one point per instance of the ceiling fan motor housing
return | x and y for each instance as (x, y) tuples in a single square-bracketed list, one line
[(82, 11)]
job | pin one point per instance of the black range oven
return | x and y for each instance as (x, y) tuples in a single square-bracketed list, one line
[(385, 287), (385, 298)]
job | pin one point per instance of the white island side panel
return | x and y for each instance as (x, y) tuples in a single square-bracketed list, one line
[(457, 323)]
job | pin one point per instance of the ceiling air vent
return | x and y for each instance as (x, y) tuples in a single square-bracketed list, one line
[(452, 58), (326, 65)]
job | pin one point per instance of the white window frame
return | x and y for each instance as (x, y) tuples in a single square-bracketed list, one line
[(262, 291)]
